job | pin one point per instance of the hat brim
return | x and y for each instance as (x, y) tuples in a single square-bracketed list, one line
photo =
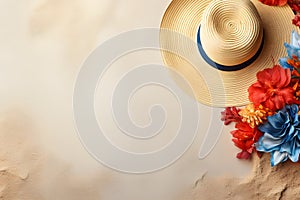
[(212, 86)]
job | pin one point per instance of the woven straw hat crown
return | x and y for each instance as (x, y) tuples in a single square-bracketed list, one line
[(229, 37)]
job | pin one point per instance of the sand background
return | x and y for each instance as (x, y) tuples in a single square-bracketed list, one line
[(43, 44)]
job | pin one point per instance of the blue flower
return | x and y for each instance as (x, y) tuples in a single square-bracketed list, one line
[(292, 49), (281, 135)]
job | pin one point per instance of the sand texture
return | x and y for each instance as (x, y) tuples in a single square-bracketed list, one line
[(265, 182)]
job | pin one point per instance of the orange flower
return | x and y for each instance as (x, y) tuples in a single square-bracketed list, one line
[(254, 115), (296, 87), (294, 61)]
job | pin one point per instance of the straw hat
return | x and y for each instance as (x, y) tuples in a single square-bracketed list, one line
[(231, 41)]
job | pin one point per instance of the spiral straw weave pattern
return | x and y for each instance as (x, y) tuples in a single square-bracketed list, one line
[(231, 31)]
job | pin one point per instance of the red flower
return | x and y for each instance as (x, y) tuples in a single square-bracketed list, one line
[(244, 138), (272, 88), (230, 114), (296, 20), (295, 5), (243, 155), (274, 2)]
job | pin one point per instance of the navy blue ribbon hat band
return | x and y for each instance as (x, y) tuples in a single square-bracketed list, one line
[(223, 67)]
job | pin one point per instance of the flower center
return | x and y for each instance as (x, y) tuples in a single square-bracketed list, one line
[(271, 91)]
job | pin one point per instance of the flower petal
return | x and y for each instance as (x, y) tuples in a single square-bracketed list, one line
[(276, 78), (268, 143), (243, 155), (284, 64), (278, 157), (257, 94), (295, 38), (274, 2)]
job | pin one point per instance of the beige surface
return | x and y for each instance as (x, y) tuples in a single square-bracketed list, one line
[(43, 43)]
